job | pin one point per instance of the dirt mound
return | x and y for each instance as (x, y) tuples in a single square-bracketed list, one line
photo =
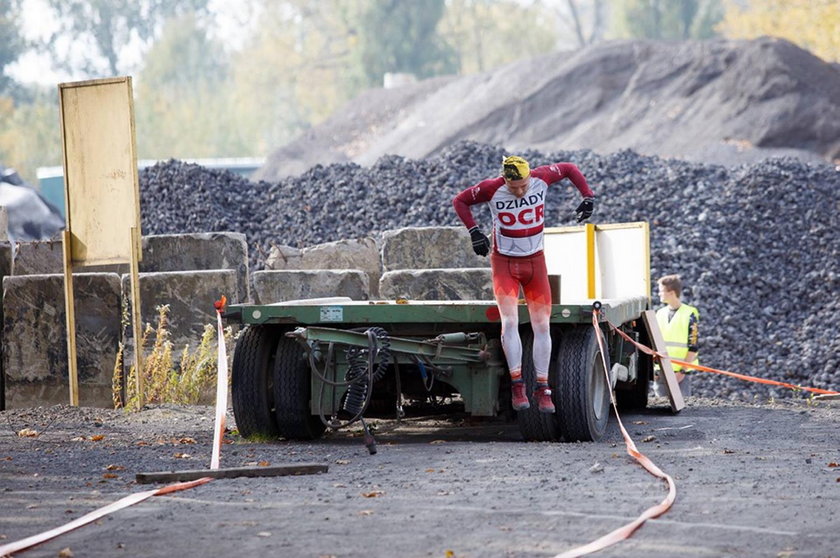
[(723, 102)]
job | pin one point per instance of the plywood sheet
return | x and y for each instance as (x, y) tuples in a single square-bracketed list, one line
[(100, 169)]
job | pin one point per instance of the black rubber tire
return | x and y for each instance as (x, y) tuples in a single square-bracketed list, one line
[(582, 392), (534, 425), (252, 381), (292, 392)]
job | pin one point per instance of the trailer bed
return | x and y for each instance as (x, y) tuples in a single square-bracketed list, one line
[(341, 310)]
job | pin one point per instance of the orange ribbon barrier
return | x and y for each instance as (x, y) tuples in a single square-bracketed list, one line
[(625, 531), (23, 544), (649, 351), (221, 407), (221, 386)]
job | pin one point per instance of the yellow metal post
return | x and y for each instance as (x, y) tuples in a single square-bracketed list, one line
[(590, 260), (73, 375), (136, 316)]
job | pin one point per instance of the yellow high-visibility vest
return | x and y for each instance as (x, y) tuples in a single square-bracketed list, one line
[(675, 332)]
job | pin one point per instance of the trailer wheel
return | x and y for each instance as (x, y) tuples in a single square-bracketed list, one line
[(533, 424), (252, 381), (292, 389), (582, 392)]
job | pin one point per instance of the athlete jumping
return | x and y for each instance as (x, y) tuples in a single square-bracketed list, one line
[(517, 203)]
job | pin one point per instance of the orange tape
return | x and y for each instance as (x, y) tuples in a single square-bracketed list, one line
[(221, 387), (221, 406), (625, 531), (649, 351), (23, 544)]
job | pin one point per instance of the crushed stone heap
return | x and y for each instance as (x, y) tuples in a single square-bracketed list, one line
[(756, 245)]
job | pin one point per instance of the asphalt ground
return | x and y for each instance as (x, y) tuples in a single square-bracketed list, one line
[(751, 480)]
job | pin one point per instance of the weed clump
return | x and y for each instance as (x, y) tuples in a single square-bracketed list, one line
[(190, 381)]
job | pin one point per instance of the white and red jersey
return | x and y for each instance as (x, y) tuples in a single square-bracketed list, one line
[(518, 223)]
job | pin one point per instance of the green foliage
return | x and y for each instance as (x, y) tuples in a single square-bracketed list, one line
[(296, 70), (813, 25), (108, 25), (192, 381), (182, 96), (666, 19), (487, 34), (400, 36), (30, 135), (12, 44)]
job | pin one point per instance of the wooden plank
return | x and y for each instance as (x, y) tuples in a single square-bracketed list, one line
[(70, 313), (674, 393), (136, 320), (233, 472), (100, 168)]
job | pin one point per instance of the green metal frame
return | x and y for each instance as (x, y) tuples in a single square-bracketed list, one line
[(474, 368), (616, 311)]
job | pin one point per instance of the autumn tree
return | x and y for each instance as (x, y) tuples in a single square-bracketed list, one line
[(398, 36), (812, 24), (12, 44), (666, 19), (489, 33), (107, 28), (181, 95)]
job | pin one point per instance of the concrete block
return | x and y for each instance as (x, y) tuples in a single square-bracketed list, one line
[(362, 254), (190, 296), (4, 224), (199, 251), (38, 257), (35, 338), (437, 284), (429, 248), (277, 286), (281, 256)]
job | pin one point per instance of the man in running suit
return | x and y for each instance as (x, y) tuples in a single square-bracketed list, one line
[(517, 203)]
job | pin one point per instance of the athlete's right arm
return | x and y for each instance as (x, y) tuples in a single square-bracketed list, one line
[(480, 193)]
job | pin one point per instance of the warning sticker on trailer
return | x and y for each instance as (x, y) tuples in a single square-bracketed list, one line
[(332, 314)]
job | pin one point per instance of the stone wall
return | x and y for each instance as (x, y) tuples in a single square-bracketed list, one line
[(429, 248), (200, 251), (35, 340), (190, 296), (277, 286), (437, 284), (212, 264), (360, 254), (189, 273)]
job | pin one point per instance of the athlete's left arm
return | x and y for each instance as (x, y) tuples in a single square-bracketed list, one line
[(558, 171)]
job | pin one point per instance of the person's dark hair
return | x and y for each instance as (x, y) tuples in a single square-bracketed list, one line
[(672, 283)]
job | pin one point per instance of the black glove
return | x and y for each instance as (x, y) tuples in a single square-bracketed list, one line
[(480, 242), (585, 209)]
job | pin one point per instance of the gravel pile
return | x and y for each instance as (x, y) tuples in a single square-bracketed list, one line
[(757, 245)]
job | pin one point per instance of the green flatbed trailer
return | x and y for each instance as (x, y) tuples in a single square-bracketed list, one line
[(296, 365)]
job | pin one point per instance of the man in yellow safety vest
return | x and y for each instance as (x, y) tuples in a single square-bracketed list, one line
[(679, 325)]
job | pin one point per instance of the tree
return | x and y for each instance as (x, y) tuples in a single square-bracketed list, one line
[(181, 107), (299, 65), (585, 18), (812, 24), (12, 44), (398, 36), (489, 33), (107, 28), (29, 136), (667, 19)]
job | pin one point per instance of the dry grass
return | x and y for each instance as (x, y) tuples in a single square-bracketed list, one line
[(191, 381)]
